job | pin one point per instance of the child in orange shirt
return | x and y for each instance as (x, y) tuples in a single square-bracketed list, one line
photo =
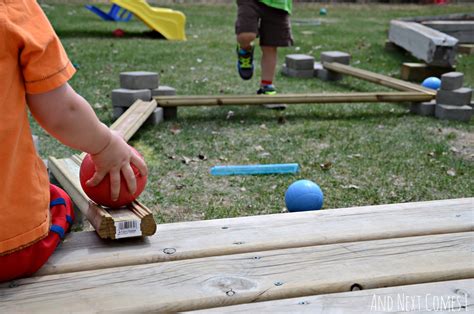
[(35, 69)]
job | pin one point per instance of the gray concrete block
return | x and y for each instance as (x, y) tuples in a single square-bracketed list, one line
[(299, 62), (335, 56), (458, 97), (139, 80), (461, 30), (122, 97), (317, 67), (163, 91), (451, 80), (458, 113), (170, 113), (156, 117), (118, 111), (423, 108), (297, 73), (326, 75)]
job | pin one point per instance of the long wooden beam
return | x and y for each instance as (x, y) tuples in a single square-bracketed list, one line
[(292, 99), (378, 78), (134, 220)]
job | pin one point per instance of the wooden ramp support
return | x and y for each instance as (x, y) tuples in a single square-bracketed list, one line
[(134, 220), (215, 263)]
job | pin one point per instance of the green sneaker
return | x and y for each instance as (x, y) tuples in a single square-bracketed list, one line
[(270, 90), (245, 63)]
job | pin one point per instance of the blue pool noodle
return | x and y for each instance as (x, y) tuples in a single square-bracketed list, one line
[(254, 169)]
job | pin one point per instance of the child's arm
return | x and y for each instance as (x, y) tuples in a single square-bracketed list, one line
[(68, 117)]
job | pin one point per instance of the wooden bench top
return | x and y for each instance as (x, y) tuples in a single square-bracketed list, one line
[(318, 255)]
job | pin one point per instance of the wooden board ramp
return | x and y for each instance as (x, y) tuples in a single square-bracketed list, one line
[(438, 297), (189, 240), (133, 220), (249, 277), (292, 99)]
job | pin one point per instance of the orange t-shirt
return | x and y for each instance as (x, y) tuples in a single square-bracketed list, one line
[(32, 60)]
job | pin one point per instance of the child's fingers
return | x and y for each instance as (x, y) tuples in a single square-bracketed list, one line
[(139, 163), (96, 179), (114, 184), (129, 177)]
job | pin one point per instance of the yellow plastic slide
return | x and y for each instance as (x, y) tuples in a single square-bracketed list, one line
[(169, 23)]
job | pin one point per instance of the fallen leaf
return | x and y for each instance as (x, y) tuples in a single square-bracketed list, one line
[(230, 114), (179, 186), (171, 157), (186, 160), (265, 154), (273, 187), (326, 165), (355, 156), (175, 129), (451, 172), (222, 158), (243, 189), (454, 150), (432, 154), (350, 186), (259, 148), (263, 126)]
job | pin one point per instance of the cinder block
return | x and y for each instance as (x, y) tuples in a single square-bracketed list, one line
[(122, 97), (163, 91), (156, 117), (458, 113), (139, 80), (458, 97), (424, 108), (299, 62), (297, 73), (335, 56), (118, 111), (326, 75), (452, 80), (317, 67)]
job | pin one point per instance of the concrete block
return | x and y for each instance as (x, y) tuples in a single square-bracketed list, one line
[(424, 108), (122, 97), (317, 67), (458, 97), (139, 80), (424, 43), (118, 111), (299, 62), (297, 73), (155, 118), (451, 80), (458, 113), (461, 30), (335, 56), (163, 91), (327, 75)]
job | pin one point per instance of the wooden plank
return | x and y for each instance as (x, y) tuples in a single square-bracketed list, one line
[(243, 278), (291, 99), (378, 78), (466, 49), (417, 72), (427, 44), (445, 296), (106, 221), (188, 240), (461, 30)]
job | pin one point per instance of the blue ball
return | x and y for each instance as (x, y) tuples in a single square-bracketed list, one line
[(432, 82), (303, 195)]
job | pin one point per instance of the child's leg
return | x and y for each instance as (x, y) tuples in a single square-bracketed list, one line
[(268, 64), (27, 261), (245, 40)]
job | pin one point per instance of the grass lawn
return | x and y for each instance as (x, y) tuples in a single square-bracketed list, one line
[(371, 153)]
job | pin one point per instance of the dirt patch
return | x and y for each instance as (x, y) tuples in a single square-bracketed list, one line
[(462, 143)]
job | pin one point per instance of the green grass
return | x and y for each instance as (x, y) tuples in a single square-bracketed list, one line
[(379, 153)]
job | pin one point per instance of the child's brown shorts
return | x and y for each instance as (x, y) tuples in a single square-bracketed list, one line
[(270, 24)]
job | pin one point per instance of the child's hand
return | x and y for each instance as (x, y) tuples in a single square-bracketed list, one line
[(115, 159)]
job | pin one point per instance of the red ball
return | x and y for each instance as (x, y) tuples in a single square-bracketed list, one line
[(118, 32), (101, 192)]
